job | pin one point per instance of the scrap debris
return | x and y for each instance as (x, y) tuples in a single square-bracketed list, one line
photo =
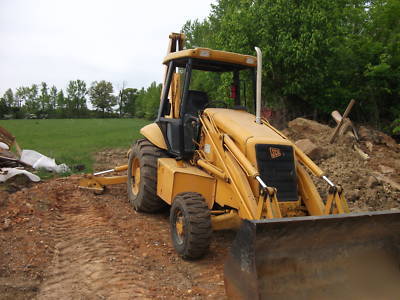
[(361, 153), (21, 161), (39, 161), (343, 122), (7, 173)]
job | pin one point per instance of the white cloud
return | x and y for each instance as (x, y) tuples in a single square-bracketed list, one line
[(60, 40)]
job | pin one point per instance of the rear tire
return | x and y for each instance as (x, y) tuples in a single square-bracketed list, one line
[(190, 224), (142, 177)]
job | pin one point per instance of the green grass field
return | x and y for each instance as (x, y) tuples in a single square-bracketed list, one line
[(74, 141)]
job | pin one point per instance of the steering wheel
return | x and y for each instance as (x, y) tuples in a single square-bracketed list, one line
[(189, 118), (191, 122)]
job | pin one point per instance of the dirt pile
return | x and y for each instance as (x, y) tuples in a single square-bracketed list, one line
[(371, 183)]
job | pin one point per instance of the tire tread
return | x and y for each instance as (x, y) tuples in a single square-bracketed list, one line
[(199, 220), (147, 199)]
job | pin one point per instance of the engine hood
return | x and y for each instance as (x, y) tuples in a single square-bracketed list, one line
[(242, 128)]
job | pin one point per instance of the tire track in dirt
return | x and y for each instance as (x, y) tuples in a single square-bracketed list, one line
[(176, 278), (90, 259), (100, 248)]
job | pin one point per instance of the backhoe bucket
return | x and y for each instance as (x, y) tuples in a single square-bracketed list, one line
[(352, 256)]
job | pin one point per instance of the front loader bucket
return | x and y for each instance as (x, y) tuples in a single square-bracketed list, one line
[(352, 256)]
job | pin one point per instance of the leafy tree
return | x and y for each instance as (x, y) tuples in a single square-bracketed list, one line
[(32, 104), (120, 99), (317, 54), (61, 104), (10, 104), (28, 97), (21, 95), (127, 99), (101, 96), (7, 103), (76, 98), (382, 70), (8, 98), (140, 108), (148, 101), (44, 98), (53, 98), (3, 107), (199, 34)]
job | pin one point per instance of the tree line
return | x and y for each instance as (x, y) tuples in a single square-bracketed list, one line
[(42, 101), (317, 54)]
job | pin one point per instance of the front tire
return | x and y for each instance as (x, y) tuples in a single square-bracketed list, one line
[(142, 177), (190, 223)]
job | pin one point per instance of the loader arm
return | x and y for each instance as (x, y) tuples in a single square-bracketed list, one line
[(231, 170), (238, 171)]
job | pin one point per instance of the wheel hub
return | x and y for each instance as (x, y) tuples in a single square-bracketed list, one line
[(135, 176), (179, 227)]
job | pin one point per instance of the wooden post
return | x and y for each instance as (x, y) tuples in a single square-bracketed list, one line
[(346, 113)]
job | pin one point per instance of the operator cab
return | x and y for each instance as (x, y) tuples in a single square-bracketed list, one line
[(184, 97)]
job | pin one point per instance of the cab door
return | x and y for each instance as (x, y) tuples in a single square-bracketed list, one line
[(169, 117)]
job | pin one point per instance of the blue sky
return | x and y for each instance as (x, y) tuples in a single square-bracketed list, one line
[(60, 40)]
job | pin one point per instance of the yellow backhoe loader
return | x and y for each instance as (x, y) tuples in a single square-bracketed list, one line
[(225, 168)]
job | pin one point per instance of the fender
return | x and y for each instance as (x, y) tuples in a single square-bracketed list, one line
[(153, 133)]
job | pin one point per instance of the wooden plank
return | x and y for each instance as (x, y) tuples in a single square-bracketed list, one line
[(346, 113)]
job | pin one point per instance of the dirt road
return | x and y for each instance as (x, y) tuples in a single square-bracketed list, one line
[(96, 247)]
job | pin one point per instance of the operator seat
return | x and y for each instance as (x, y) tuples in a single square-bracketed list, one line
[(196, 102)]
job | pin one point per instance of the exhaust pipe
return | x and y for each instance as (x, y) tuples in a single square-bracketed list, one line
[(258, 86)]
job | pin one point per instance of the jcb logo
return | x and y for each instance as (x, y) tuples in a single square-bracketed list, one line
[(275, 152)]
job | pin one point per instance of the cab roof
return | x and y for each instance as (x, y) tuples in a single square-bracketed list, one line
[(212, 60)]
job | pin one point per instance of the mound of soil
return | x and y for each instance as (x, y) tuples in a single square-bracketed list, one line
[(369, 184)]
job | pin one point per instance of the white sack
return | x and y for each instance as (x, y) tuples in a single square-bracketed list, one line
[(7, 173), (4, 146), (40, 161)]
